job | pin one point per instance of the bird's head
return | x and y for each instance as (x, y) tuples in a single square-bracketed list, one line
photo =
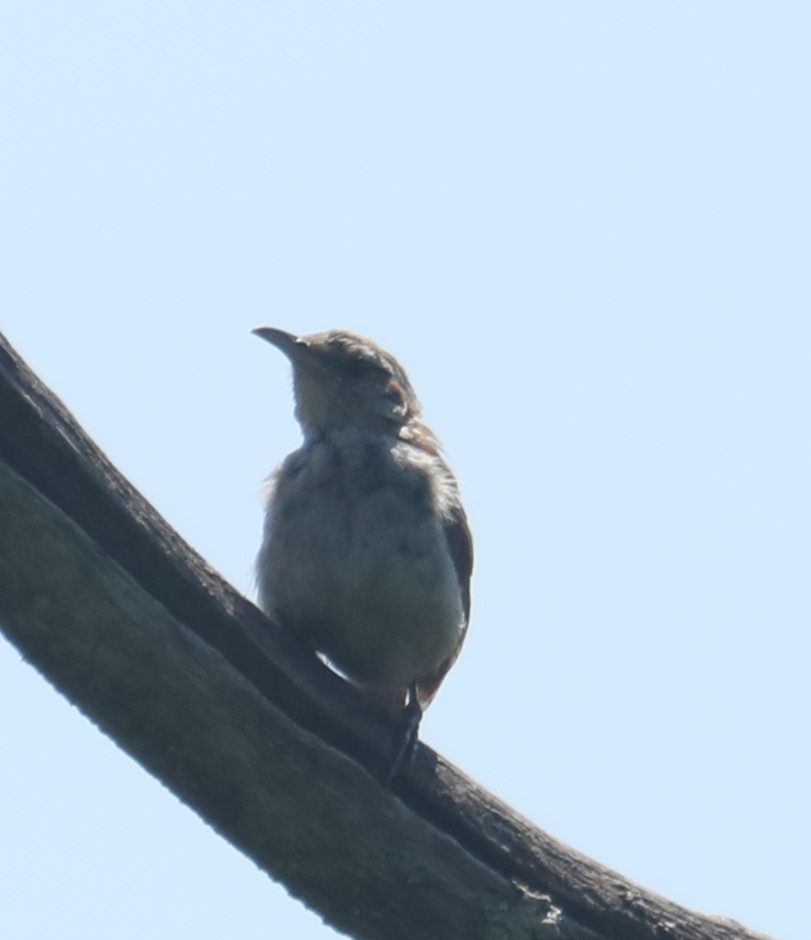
[(344, 381)]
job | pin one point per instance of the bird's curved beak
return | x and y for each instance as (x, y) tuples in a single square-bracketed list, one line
[(288, 343)]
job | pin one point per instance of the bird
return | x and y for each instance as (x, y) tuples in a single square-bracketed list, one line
[(366, 552)]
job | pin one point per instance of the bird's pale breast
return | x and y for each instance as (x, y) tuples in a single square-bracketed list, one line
[(355, 558)]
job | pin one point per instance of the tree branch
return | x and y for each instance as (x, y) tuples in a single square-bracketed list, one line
[(271, 748)]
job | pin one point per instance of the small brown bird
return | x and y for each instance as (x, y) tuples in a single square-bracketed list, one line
[(366, 552)]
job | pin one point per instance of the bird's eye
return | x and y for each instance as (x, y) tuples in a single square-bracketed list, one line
[(393, 392)]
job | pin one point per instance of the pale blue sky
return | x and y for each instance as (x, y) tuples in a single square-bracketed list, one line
[(585, 230)]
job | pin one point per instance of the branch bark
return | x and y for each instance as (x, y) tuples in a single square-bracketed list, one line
[(267, 745)]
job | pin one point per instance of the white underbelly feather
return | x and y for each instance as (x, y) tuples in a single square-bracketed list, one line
[(372, 586)]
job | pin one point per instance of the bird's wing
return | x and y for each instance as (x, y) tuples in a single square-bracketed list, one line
[(460, 545)]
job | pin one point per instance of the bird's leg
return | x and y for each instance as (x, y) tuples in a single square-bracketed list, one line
[(410, 717)]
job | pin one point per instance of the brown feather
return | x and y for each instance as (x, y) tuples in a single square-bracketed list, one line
[(460, 544)]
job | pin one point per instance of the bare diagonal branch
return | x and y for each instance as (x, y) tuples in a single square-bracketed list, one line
[(272, 749)]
